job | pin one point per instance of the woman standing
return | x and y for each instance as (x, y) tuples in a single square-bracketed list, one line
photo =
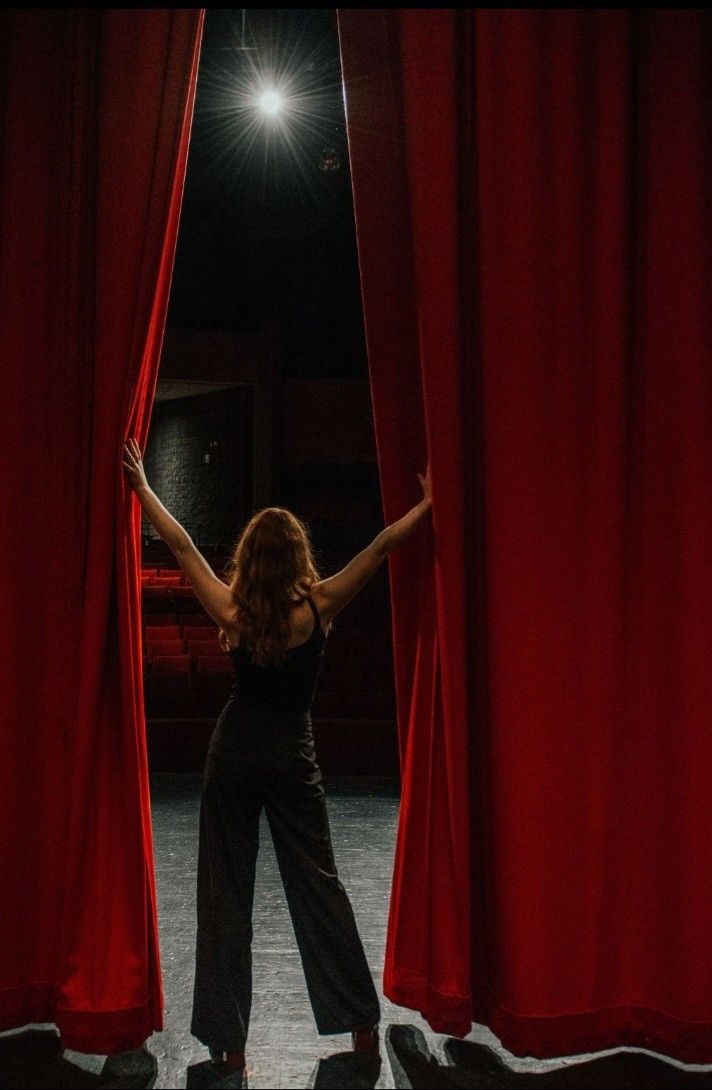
[(273, 617)]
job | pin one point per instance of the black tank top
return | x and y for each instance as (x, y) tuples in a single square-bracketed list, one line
[(284, 687)]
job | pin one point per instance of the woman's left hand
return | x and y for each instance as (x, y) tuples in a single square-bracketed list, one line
[(134, 466)]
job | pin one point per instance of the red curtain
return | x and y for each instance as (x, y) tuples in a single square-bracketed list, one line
[(533, 220), (96, 111)]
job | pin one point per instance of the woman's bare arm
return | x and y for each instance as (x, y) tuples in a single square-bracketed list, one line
[(393, 534), (213, 594)]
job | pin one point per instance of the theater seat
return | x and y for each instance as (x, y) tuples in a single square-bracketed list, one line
[(169, 687), (156, 600), (201, 634), (164, 647), (156, 632), (171, 664), (195, 620), (214, 662), (160, 620), (212, 679), (200, 648), (185, 600)]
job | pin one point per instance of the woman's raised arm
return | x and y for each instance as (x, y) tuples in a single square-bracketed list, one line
[(213, 594), (174, 535), (338, 590)]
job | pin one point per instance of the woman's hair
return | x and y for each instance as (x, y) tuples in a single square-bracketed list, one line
[(271, 568)]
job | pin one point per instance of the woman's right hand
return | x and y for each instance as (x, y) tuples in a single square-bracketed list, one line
[(133, 464), (425, 485)]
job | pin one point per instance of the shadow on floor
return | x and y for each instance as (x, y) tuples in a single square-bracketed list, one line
[(471, 1064), (211, 1076), (346, 1071), (34, 1060), (341, 1071)]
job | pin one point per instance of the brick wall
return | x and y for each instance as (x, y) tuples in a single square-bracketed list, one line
[(211, 499)]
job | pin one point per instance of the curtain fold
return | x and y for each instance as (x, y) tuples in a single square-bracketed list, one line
[(96, 122), (534, 245)]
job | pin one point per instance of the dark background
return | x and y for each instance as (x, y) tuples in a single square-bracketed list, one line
[(263, 393), (212, 497), (267, 242), (266, 233)]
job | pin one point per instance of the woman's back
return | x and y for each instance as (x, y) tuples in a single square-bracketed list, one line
[(285, 687)]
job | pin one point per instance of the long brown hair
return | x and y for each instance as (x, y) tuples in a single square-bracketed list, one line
[(272, 567)]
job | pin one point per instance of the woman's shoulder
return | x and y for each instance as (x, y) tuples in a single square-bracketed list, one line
[(316, 593), (321, 604)]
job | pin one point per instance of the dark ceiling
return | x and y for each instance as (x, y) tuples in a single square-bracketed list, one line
[(267, 229)]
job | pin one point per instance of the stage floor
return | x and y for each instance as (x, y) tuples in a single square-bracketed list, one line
[(283, 1044)]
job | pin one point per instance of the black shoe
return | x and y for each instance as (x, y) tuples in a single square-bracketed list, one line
[(214, 1074), (227, 1077)]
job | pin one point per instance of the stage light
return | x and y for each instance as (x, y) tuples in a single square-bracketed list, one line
[(273, 109), (271, 101)]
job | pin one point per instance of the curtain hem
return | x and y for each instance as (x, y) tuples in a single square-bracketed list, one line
[(615, 1027), (549, 1038), (444, 1013), (97, 1032)]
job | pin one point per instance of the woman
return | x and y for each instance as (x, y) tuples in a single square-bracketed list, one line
[(273, 618)]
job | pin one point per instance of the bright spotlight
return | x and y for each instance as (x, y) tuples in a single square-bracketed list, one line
[(271, 102)]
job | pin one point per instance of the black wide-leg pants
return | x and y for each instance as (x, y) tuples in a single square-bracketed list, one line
[(253, 764)]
